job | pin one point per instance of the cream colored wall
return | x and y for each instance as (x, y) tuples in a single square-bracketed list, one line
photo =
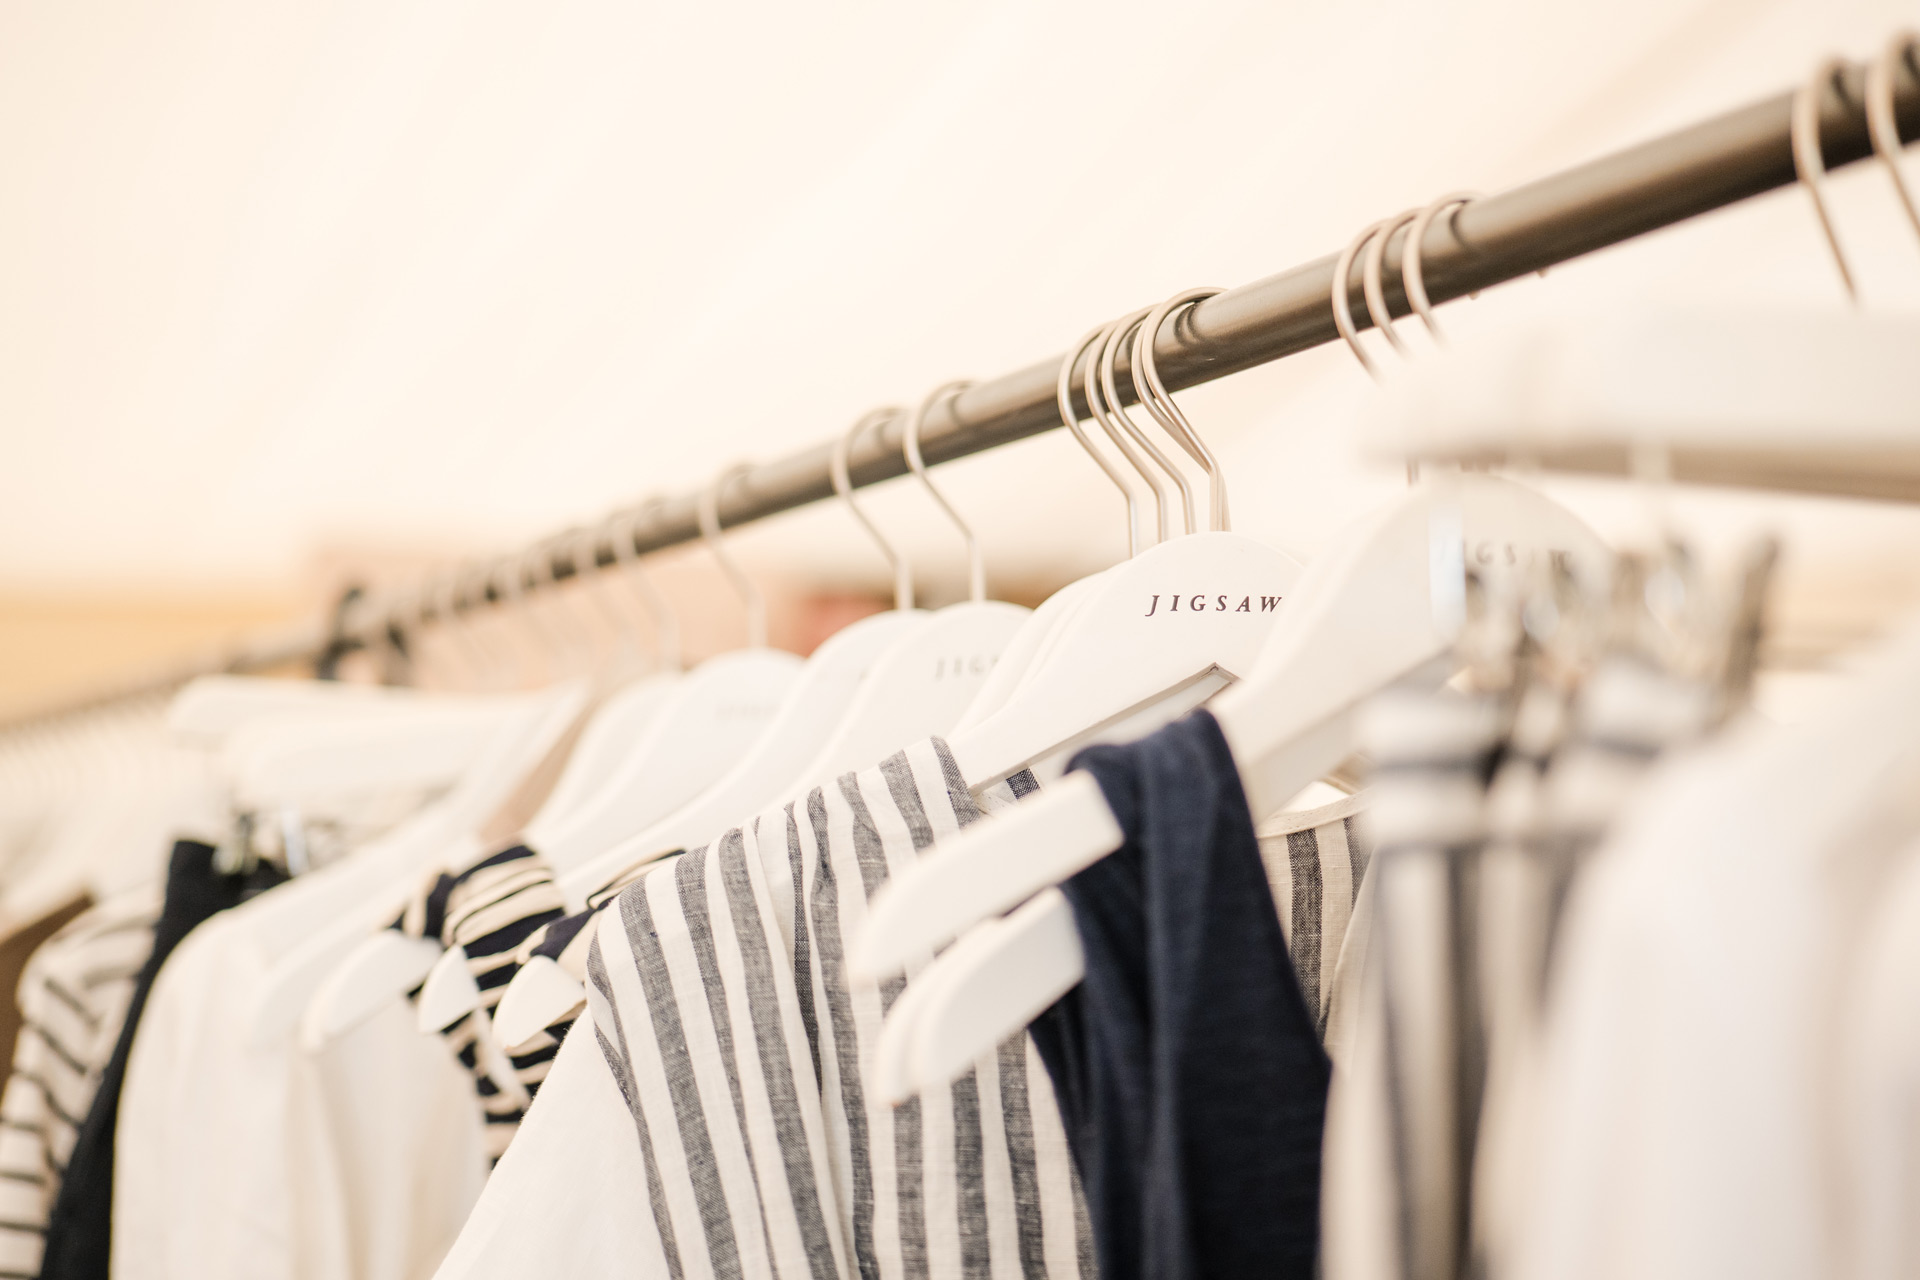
[(277, 278)]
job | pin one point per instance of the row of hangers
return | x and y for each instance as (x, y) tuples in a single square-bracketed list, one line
[(670, 759), (877, 685), (1387, 601)]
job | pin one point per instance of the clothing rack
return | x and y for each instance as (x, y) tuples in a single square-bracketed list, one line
[(1489, 241)]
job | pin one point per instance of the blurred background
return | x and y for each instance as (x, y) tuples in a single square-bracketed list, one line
[(298, 294)]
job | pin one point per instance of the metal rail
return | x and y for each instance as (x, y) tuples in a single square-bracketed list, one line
[(1656, 184)]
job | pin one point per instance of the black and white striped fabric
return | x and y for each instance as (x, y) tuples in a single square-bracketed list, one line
[(719, 996), (73, 999), (488, 910), (1316, 861)]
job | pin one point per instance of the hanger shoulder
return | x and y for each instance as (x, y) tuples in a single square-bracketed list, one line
[(1018, 658), (988, 868), (449, 993), (818, 700), (978, 995), (919, 687), (608, 735), (1389, 599), (383, 965), (1153, 625), (715, 713), (541, 994)]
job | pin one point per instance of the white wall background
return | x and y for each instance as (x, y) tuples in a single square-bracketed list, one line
[(457, 272)]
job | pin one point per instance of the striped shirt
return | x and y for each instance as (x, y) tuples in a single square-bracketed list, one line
[(489, 910), (720, 1000), (1316, 860), (73, 998), (713, 1114)]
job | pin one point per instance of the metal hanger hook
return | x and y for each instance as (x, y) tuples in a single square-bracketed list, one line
[(442, 594), (1371, 286), (621, 527), (976, 563), (1881, 127), (1342, 311), (1160, 403), (505, 666), (510, 588), (1110, 392), (843, 485), (1123, 437), (544, 581), (1413, 276), (1063, 394), (583, 552), (1809, 163), (710, 530)]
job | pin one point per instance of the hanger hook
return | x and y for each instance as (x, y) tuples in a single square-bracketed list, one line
[(621, 530), (843, 485), (540, 577), (1413, 276), (404, 625), (1110, 391), (1063, 394), (1880, 122), (710, 530), (1371, 286), (509, 588), (506, 665), (583, 551), (1810, 164), (442, 593), (1342, 310), (976, 563), (1160, 403), (1121, 437)]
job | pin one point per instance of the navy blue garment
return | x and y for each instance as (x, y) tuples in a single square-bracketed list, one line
[(1189, 1071), (79, 1229)]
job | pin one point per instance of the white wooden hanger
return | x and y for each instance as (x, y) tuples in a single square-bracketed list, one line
[(701, 722), (511, 752), (541, 993), (391, 962), (1385, 603), (315, 761), (704, 722), (818, 701), (714, 715), (1158, 635), (1017, 659), (926, 679), (1805, 400), (209, 708), (1038, 632)]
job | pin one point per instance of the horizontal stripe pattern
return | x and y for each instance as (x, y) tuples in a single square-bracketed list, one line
[(721, 1000), (73, 998), (489, 910)]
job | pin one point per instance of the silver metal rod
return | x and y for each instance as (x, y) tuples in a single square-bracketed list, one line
[(1643, 188)]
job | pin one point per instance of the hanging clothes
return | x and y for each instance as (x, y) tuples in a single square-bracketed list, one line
[(243, 1156), (728, 1107), (1187, 1061), (73, 997), (80, 1226), (488, 909)]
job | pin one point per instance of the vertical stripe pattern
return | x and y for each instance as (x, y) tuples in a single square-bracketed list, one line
[(722, 1002)]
